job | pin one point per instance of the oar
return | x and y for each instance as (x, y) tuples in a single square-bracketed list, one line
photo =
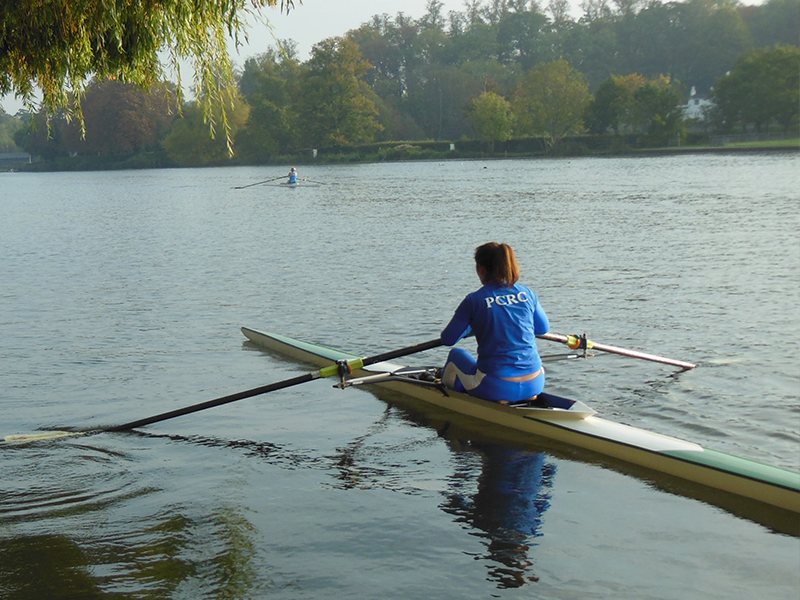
[(330, 371), (312, 181), (241, 187), (575, 341)]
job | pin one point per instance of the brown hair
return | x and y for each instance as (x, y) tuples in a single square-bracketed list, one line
[(499, 262)]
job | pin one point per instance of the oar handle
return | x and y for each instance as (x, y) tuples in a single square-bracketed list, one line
[(573, 341), (371, 360)]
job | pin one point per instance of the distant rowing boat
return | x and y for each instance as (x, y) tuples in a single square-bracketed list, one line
[(571, 422)]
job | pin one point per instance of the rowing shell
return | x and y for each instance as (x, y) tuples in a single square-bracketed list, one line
[(286, 184), (574, 423)]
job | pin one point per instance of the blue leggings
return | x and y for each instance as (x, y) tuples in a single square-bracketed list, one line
[(462, 375)]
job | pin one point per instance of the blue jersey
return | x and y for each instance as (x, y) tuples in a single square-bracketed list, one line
[(506, 321), (292, 178)]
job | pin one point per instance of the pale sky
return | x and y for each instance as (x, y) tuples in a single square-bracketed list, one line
[(315, 20)]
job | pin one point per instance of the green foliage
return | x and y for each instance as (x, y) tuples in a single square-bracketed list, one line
[(775, 22), (44, 136), (602, 114), (633, 104), (335, 105), (58, 45), (269, 83), (397, 123), (763, 87), (694, 41), (551, 101), (713, 37), (656, 104), (614, 105), (492, 118), (188, 143), (522, 38), (8, 127), (442, 97)]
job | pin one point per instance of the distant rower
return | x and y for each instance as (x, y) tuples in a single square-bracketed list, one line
[(292, 176)]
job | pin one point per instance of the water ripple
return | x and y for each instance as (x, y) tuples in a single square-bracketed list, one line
[(60, 479)]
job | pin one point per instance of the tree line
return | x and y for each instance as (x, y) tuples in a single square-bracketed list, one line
[(498, 69)]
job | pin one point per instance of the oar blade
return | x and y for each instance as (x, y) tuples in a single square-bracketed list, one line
[(644, 355), (44, 435)]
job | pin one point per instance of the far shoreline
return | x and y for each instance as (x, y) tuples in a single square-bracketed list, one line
[(396, 152)]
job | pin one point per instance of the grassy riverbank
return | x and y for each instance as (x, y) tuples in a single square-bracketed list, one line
[(531, 148), (791, 144)]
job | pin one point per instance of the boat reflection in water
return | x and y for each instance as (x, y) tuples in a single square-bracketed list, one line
[(513, 492)]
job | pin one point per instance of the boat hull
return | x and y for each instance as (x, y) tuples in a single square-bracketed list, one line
[(742, 477)]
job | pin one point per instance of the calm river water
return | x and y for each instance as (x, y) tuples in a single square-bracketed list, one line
[(122, 294)]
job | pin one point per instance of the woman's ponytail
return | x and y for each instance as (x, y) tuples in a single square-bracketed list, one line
[(499, 263)]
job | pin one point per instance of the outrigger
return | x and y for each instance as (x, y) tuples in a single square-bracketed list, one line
[(569, 421)]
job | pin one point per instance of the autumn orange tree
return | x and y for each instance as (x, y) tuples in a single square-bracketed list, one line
[(121, 118)]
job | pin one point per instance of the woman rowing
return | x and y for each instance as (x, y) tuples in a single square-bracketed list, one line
[(505, 317), (292, 176)]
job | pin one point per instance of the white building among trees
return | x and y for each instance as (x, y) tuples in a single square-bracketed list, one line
[(697, 107)]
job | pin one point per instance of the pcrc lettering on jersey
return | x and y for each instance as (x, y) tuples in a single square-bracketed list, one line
[(507, 299)]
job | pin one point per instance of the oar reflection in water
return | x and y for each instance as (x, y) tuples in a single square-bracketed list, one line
[(513, 492), (349, 472)]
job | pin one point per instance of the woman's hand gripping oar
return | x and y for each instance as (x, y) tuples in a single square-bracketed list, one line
[(331, 371), (580, 342)]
